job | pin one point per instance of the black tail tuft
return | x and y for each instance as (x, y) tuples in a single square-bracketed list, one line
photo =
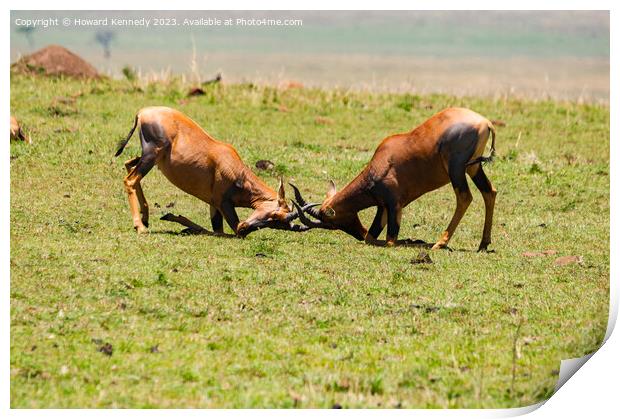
[(481, 160), (122, 143)]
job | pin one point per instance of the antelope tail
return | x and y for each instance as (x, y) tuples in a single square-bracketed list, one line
[(491, 156), (121, 144)]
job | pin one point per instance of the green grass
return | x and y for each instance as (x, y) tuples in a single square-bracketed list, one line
[(320, 319)]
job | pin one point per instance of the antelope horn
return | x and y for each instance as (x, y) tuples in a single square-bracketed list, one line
[(295, 214), (302, 217), (309, 208), (298, 196), (291, 216)]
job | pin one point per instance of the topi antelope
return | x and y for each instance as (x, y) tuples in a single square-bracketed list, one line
[(406, 166), (203, 167)]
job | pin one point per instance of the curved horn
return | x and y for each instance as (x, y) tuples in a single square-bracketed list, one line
[(291, 215), (302, 217), (298, 196), (309, 208), (295, 214)]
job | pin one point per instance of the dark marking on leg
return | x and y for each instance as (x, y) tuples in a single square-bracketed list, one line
[(386, 198), (488, 194), (377, 224), (393, 225), (481, 181), (456, 171), (228, 210), (217, 220), (131, 163)]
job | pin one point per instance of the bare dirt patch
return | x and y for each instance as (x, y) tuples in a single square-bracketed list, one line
[(55, 60)]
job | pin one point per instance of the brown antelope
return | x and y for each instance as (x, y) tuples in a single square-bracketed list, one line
[(203, 167), (406, 166)]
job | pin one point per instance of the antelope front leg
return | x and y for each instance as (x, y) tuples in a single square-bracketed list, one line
[(230, 215), (217, 220), (377, 226), (394, 216)]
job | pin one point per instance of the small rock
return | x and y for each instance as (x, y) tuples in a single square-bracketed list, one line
[(170, 205), (196, 91), (106, 349), (423, 257), (154, 349), (336, 406), (64, 370), (264, 165)]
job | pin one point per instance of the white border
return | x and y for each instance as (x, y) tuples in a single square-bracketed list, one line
[(593, 389)]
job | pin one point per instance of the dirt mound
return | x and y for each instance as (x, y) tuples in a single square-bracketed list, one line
[(55, 60)]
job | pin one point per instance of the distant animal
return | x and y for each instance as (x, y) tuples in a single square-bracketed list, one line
[(404, 167), (203, 167), (17, 133)]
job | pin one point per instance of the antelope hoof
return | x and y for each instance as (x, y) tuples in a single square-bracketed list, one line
[(483, 247), (438, 246), (141, 229), (370, 240), (390, 243)]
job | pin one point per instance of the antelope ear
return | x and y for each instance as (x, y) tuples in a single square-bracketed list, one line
[(281, 194), (332, 189), (329, 212)]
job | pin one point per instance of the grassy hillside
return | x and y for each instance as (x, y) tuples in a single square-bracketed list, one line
[(101, 317)]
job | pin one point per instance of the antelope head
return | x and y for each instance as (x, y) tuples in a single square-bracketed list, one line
[(331, 214), (272, 214)]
